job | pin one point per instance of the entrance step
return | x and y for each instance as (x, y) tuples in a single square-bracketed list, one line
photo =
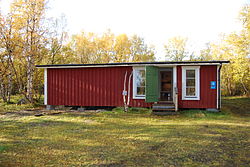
[(163, 107), (165, 102), (160, 113)]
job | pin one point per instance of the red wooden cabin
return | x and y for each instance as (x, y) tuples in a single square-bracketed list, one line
[(143, 84)]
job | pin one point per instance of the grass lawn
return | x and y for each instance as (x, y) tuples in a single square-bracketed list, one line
[(136, 138)]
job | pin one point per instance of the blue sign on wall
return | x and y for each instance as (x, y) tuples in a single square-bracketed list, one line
[(213, 85)]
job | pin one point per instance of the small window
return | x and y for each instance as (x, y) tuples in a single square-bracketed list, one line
[(139, 83), (191, 83)]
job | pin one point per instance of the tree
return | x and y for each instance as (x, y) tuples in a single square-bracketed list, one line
[(106, 48), (245, 18), (29, 16), (176, 49), (205, 54), (122, 48), (235, 76), (234, 47), (84, 47), (55, 38), (141, 51), (28, 38), (8, 48)]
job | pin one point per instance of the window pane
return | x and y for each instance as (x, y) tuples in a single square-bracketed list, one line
[(190, 82), (190, 73), (140, 82), (142, 73), (140, 78), (190, 91), (140, 90)]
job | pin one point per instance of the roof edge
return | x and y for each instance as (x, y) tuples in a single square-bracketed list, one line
[(133, 64)]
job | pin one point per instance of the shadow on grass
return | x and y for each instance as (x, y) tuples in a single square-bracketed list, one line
[(239, 106), (109, 139)]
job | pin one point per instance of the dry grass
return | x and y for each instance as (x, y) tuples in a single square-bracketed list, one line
[(194, 138)]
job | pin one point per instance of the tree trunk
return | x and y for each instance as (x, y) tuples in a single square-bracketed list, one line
[(30, 73), (9, 87), (2, 90), (244, 87)]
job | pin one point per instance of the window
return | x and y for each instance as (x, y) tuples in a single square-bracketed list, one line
[(139, 83), (190, 83)]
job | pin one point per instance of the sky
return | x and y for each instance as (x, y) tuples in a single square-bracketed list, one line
[(201, 21)]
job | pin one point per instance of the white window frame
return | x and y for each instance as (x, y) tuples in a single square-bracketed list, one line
[(197, 82), (135, 95)]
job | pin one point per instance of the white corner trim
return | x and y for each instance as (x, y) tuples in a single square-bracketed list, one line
[(174, 83), (197, 82), (135, 96), (45, 87)]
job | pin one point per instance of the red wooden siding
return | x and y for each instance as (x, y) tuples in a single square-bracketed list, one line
[(103, 86), (208, 97), (100, 86)]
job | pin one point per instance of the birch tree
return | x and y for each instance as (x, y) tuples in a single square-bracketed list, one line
[(234, 47), (56, 38), (176, 49), (89, 47), (140, 51), (9, 38), (30, 18)]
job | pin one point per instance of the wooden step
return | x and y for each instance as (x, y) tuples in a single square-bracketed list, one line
[(160, 113), (165, 102), (163, 107)]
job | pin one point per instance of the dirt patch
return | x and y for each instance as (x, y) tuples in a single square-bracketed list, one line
[(19, 113), (24, 113), (41, 112), (88, 121)]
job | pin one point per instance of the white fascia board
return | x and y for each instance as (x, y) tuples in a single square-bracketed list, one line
[(87, 66), (134, 65)]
